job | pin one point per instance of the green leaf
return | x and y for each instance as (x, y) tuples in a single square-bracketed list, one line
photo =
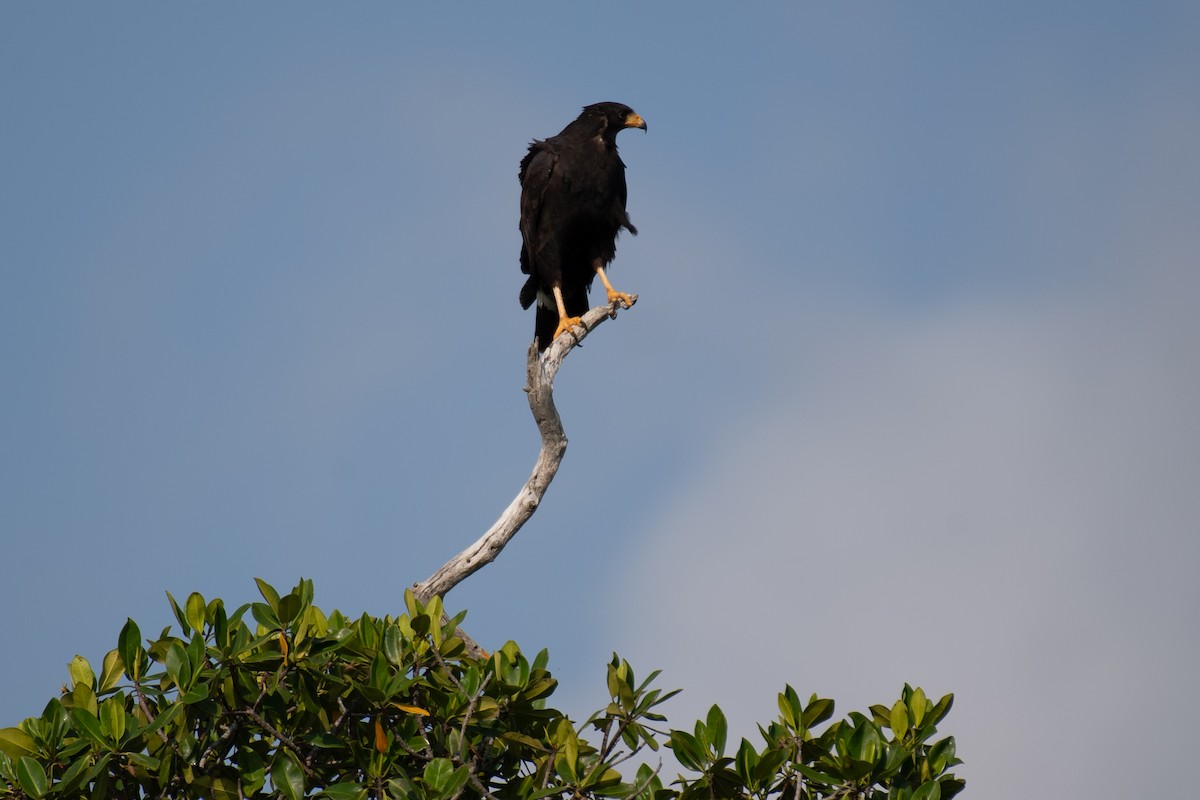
[(434, 610), (251, 770), (327, 741), (439, 774), (769, 763), (163, 719), (82, 696), (269, 594), (746, 761), (312, 623), (865, 743), (817, 776), (524, 740), (199, 692), (941, 755), (951, 787), (217, 787), (688, 750), (717, 729), (178, 665), (69, 781), (565, 769), (265, 616), (196, 608), (81, 672), (112, 717), (304, 590), (817, 711), (411, 603), (614, 679), (789, 708), (570, 751), (87, 724), (602, 781), (180, 617), (380, 675), (941, 709), (220, 624), (286, 774), (393, 645), (15, 743), (537, 689), (31, 776), (112, 671), (895, 756), (290, 607), (420, 624), (97, 769), (344, 791), (196, 650), (928, 791), (917, 706), (129, 646), (471, 680), (142, 760), (899, 719), (458, 781)]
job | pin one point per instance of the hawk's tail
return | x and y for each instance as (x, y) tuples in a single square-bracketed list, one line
[(544, 326), (528, 292)]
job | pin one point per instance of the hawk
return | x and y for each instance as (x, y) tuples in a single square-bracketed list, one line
[(572, 209)]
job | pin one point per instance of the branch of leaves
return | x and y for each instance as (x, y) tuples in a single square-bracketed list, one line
[(224, 707), (848, 757)]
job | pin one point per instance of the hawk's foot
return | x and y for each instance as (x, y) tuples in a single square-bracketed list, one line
[(566, 324), (626, 300)]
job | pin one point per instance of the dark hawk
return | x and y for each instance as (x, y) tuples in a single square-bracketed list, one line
[(572, 208)]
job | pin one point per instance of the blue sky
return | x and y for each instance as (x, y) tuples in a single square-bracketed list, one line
[(909, 395)]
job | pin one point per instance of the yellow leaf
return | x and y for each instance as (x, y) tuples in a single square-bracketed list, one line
[(412, 709), (381, 743)]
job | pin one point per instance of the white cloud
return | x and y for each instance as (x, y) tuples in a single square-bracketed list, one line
[(993, 495), (994, 501)]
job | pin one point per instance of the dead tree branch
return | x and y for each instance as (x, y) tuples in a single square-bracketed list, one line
[(540, 370)]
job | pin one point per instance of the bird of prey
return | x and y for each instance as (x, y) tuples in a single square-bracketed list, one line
[(572, 208)]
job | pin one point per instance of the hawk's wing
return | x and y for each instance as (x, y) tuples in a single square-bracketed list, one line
[(536, 175)]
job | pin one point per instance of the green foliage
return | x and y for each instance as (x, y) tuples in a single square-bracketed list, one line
[(294, 703), (887, 755)]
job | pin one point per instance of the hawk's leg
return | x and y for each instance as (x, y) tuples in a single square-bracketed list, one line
[(565, 323), (626, 300)]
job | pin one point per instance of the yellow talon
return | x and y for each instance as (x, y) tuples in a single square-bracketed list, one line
[(565, 324), (626, 300)]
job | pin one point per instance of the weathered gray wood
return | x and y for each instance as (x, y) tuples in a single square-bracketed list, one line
[(539, 384)]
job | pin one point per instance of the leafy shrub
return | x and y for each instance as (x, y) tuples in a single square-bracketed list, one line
[(299, 704)]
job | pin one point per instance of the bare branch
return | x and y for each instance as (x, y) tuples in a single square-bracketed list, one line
[(540, 370)]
